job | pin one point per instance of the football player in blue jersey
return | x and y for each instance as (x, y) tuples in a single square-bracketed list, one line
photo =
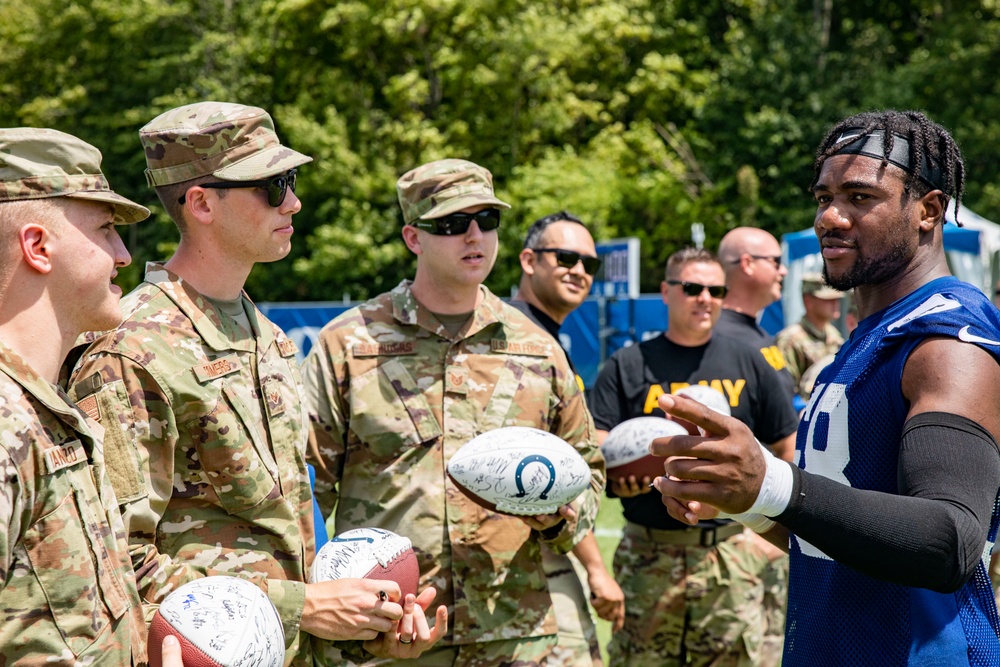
[(889, 512)]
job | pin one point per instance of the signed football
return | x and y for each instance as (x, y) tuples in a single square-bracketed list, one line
[(519, 470), (368, 553), (706, 396), (626, 449), (220, 622)]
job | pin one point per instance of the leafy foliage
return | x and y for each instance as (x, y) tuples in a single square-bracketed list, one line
[(640, 116)]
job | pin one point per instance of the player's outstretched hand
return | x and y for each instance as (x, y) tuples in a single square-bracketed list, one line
[(351, 608), (629, 487), (723, 470), (412, 635), (542, 522)]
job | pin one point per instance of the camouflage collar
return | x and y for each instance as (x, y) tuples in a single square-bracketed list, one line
[(407, 310), (51, 396), (823, 335), (205, 317)]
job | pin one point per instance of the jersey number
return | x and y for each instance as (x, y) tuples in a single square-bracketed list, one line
[(826, 450)]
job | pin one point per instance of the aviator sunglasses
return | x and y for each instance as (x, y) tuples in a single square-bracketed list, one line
[(568, 259), (695, 289), (276, 187), (458, 223)]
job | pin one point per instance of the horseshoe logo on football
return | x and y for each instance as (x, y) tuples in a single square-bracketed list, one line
[(534, 458), (369, 540)]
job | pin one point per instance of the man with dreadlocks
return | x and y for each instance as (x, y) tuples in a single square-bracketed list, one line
[(889, 513)]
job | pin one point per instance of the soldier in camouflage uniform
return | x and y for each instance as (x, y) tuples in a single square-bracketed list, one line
[(200, 394), (399, 383), (67, 591), (814, 336)]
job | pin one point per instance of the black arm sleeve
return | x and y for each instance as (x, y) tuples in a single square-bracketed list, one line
[(933, 533)]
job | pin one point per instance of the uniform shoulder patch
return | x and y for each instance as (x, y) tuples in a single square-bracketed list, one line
[(287, 347), (91, 407)]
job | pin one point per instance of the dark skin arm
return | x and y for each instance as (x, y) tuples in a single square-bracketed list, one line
[(941, 375)]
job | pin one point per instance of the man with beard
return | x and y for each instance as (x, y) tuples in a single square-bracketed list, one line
[(558, 263), (889, 515)]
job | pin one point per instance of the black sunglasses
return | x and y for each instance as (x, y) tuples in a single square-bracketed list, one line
[(276, 186), (771, 258), (695, 289), (568, 259), (458, 223)]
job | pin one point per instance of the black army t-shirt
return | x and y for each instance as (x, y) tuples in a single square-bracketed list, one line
[(634, 378)]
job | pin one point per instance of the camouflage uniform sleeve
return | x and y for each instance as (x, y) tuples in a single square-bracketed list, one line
[(794, 356), (572, 422), (327, 422), (146, 421), (11, 506)]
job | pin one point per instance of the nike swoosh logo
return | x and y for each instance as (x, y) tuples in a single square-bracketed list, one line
[(932, 306), (966, 337)]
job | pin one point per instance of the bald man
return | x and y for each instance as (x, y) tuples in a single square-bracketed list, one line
[(751, 258)]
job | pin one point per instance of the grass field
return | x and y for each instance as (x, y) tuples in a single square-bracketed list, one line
[(608, 532)]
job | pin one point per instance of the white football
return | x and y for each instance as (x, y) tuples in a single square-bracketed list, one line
[(368, 553), (519, 470), (220, 622), (707, 396), (626, 449)]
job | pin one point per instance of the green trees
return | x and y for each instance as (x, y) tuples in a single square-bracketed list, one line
[(641, 116)]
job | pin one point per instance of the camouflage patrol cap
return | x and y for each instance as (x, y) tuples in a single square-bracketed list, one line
[(231, 141), (814, 285), (444, 187), (39, 163)]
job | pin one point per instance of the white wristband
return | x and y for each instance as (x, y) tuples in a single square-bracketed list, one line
[(758, 523), (776, 490)]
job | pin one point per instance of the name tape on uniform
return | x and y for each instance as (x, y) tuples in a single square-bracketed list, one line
[(64, 456), (218, 368)]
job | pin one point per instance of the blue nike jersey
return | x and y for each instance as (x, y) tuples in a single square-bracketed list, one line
[(850, 432)]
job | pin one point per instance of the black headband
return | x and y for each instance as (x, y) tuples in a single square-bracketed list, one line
[(870, 145)]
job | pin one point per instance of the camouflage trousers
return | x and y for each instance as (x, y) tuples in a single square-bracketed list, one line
[(577, 643), (532, 652), (686, 604)]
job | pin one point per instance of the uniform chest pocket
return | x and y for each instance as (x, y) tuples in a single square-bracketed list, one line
[(287, 420), (521, 397), (233, 453), (389, 412), (64, 547)]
